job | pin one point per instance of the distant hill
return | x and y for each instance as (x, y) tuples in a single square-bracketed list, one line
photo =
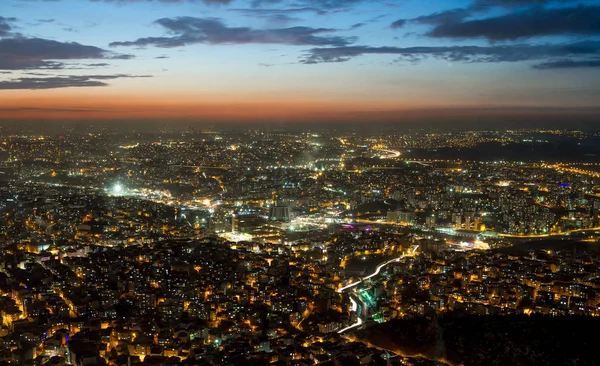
[(381, 206), (562, 150), (493, 340), (553, 244)]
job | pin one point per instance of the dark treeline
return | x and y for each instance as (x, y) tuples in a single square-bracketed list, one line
[(493, 340)]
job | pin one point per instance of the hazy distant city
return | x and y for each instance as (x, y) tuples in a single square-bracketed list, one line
[(265, 246)]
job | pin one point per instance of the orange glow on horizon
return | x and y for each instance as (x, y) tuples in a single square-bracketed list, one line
[(66, 104), (104, 104)]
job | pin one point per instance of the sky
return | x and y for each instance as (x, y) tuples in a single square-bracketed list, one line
[(299, 60)]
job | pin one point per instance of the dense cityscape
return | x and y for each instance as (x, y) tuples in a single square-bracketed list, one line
[(299, 182), (269, 246)]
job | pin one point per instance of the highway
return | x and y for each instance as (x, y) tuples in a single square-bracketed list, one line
[(568, 232), (391, 154), (377, 270), (353, 304), (203, 167), (502, 235), (359, 321), (299, 326)]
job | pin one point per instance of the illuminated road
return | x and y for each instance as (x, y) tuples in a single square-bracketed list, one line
[(510, 236), (517, 236), (391, 154), (299, 326), (416, 162), (377, 270), (359, 321), (203, 167), (353, 304)]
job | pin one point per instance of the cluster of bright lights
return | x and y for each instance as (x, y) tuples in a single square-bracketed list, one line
[(116, 190)]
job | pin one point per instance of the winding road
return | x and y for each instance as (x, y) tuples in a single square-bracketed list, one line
[(359, 321), (377, 270), (391, 154), (353, 304)]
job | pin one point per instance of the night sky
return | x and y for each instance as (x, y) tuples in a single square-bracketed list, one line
[(298, 60)]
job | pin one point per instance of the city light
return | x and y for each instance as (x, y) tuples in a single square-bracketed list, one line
[(191, 233), (299, 182), (118, 189)]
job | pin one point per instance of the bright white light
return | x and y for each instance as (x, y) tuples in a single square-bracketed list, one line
[(118, 188), (377, 270), (353, 305)]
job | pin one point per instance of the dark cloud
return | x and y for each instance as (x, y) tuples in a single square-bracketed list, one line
[(281, 19), (211, 2), (444, 17), (34, 53), (399, 23), (568, 64), (61, 81), (580, 20), (189, 30), (5, 26), (512, 53), (484, 4), (262, 12), (321, 4), (278, 16), (368, 21), (120, 56)]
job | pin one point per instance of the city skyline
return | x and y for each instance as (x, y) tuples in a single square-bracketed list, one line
[(302, 60), (249, 246)]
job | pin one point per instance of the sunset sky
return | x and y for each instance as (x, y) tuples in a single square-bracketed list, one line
[(296, 60)]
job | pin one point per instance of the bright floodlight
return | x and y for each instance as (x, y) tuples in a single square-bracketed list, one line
[(118, 188)]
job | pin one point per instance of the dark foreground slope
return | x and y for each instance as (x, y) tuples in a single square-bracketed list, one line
[(493, 340)]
